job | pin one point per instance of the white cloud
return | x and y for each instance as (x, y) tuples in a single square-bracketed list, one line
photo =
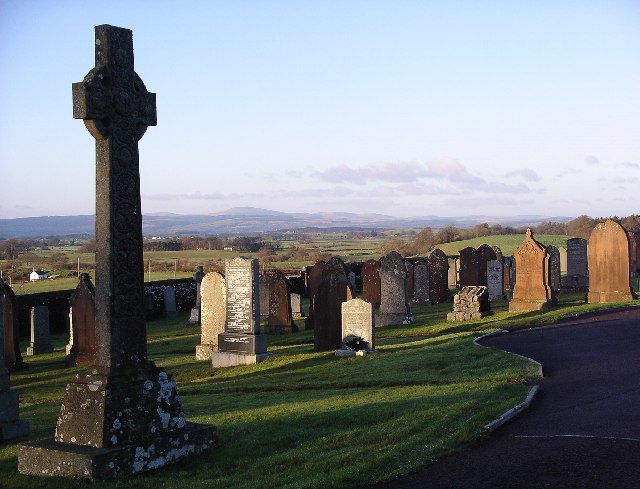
[(524, 173), (591, 160)]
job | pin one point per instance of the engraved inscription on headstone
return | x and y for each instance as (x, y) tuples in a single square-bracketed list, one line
[(242, 296), (495, 280)]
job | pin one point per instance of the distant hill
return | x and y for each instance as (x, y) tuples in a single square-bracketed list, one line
[(250, 220)]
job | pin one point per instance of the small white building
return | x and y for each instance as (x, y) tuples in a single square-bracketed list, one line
[(39, 275)]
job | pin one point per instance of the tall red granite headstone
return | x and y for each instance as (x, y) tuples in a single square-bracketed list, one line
[(532, 291), (371, 282), (609, 264)]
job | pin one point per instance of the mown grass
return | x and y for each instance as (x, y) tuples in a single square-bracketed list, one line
[(306, 419), (507, 243)]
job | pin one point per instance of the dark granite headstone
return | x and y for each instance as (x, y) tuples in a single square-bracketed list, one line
[(394, 306), (194, 318), (438, 277), (554, 268), (123, 416), (410, 279), (170, 309), (10, 424), (577, 264), (314, 276), (12, 354), (421, 283), (485, 254), (468, 267), (40, 331), (371, 282), (334, 289)]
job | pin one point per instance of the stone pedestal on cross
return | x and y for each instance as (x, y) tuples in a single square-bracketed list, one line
[(124, 415)]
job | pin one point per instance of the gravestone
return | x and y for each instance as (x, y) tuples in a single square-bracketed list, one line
[(40, 331), (334, 289), (69, 347), (634, 252), (609, 264), (438, 277), (452, 276), (194, 318), (421, 283), (264, 295), (495, 280), (10, 425), (170, 301), (352, 279), (12, 355), (280, 319), (471, 302), (498, 252), (485, 254), (394, 307), (213, 313), (241, 343), (313, 282), (83, 319), (554, 269), (335, 265), (532, 291), (124, 415), (296, 305), (357, 328), (563, 260), (410, 279), (577, 263), (469, 267), (371, 282)]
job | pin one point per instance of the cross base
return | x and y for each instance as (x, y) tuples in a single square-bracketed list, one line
[(51, 458)]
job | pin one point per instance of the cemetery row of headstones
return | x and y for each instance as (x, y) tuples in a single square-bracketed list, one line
[(123, 415)]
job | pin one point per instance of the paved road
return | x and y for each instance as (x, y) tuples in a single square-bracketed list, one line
[(582, 429)]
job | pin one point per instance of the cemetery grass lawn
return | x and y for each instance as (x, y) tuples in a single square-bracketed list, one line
[(306, 419), (507, 243)]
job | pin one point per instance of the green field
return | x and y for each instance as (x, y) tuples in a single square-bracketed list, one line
[(305, 419), (506, 243)]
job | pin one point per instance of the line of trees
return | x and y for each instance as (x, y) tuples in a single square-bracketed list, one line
[(427, 239)]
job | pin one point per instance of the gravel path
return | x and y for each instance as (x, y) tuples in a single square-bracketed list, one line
[(582, 429)]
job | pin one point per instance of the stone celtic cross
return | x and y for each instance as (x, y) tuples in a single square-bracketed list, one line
[(117, 109)]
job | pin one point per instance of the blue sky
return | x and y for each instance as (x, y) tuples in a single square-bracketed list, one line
[(404, 108)]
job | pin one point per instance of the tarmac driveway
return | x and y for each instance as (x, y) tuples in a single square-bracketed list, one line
[(582, 429)]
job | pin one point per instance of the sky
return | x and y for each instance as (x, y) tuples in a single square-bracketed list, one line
[(404, 108)]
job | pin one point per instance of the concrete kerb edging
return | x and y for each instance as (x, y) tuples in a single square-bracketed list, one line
[(514, 411)]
